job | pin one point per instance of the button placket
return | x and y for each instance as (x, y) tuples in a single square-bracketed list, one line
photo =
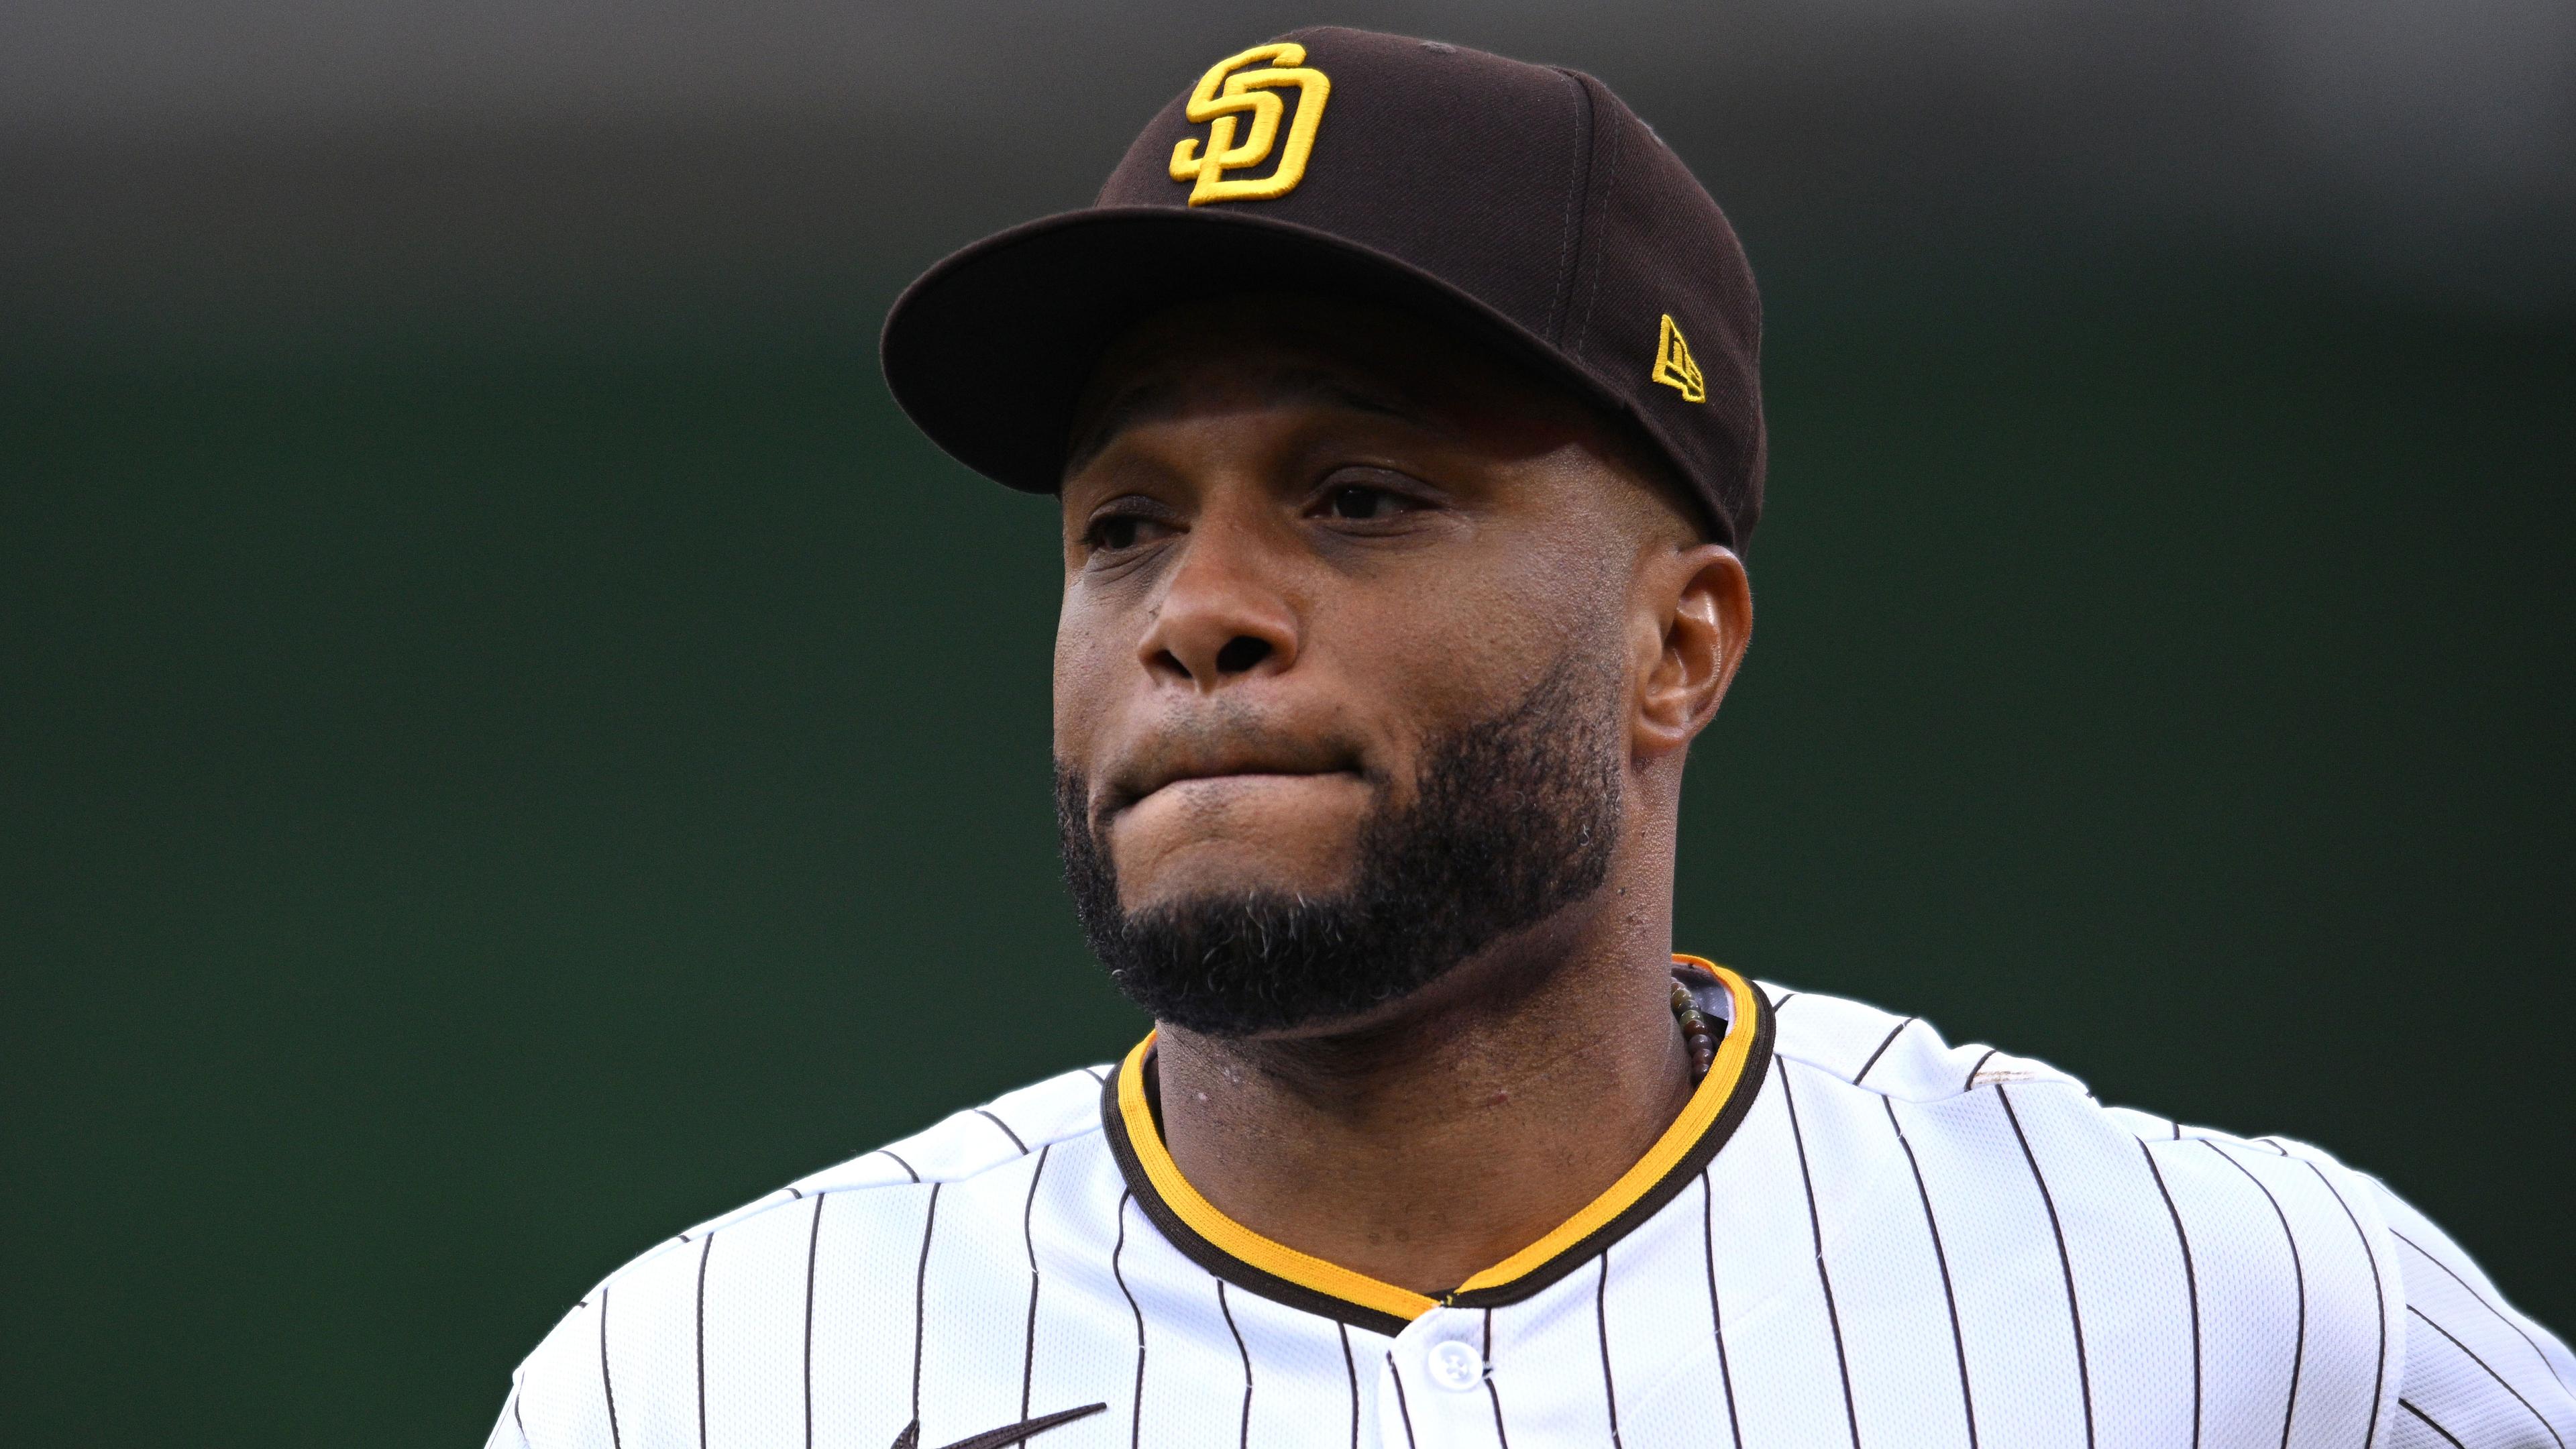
[(1439, 1364), (1454, 1365)]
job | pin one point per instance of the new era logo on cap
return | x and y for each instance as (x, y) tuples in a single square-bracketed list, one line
[(1523, 205), (1673, 365)]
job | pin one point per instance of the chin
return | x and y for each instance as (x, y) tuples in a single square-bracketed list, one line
[(1182, 873)]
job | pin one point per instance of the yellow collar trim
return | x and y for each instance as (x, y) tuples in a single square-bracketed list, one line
[(1313, 1273)]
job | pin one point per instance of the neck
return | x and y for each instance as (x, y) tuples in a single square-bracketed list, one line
[(1460, 1126)]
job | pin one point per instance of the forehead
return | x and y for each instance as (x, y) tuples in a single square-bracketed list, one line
[(1289, 351)]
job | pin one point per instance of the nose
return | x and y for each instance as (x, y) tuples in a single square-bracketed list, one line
[(1223, 619)]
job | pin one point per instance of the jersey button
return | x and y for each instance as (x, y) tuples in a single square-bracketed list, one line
[(1456, 1367)]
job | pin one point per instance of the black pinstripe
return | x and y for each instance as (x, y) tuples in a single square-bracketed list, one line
[(1491, 1392), (2447, 1436), (813, 1242), (706, 1250), (1970, 1080), (2065, 1264), (2500, 1379), (1897, 1031), (1816, 1225), (1136, 1415), (920, 1298), (2191, 1288), (1716, 1321), (899, 1162), (2501, 1316), (1029, 1238), (1244, 1435), (2298, 1276), (1006, 1129), (2378, 1298), (1351, 1366), (608, 1381), (1601, 1321), (1941, 1259), (1401, 1411)]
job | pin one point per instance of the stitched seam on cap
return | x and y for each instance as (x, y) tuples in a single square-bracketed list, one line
[(1608, 186), (1577, 188)]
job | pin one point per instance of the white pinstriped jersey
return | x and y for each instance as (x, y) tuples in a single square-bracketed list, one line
[(1857, 1235)]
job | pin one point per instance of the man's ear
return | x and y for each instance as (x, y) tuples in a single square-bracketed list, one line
[(1697, 606)]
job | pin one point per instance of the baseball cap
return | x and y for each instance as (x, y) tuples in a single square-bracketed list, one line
[(1523, 204)]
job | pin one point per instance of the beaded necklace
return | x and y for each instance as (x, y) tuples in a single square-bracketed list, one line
[(1697, 1032)]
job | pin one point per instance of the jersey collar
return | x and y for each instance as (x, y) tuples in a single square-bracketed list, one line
[(1248, 1260)]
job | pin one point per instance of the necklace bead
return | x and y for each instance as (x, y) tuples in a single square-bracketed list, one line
[(1698, 1033)]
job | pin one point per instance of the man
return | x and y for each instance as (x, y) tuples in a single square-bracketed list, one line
[(1402, 403)]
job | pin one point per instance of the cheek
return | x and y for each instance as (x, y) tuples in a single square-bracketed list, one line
[(1084, 674), (1441, 660)]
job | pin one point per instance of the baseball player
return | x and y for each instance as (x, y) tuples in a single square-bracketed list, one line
[(1402, 403)]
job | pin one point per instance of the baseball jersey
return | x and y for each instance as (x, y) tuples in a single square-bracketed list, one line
[(1854, 1234)]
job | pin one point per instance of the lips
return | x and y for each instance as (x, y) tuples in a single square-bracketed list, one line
[(1175, 762)]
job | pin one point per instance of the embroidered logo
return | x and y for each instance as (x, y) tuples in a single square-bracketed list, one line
[(1004, 1437), (1673, 365), (1228, 93)]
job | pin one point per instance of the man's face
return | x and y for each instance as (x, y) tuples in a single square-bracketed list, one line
[(1343, 668)]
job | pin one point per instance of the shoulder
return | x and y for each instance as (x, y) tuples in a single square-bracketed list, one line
[(752, 1272), (2477, 1369), (1902, 1070), (970, 1142), (2257, 1238), (2312, 1293), (1902, 1057), (1837, 1043), (961, 1147)]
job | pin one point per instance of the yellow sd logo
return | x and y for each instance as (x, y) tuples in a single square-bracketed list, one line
[(1228, 91)]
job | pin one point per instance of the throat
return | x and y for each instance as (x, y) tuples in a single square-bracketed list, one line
[(1423, 1153)]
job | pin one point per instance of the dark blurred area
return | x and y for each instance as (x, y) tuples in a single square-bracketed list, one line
[(512, 746)]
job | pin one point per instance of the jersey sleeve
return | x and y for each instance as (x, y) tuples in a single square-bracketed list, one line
[(2477, 1371), (509, 1433), (560, 1398)]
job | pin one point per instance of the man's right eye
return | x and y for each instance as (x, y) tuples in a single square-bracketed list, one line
[(1120, 531)]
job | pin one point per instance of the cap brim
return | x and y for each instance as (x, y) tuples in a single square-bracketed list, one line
[(990, 350)]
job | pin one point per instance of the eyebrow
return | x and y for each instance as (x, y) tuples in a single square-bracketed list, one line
[(1148, 401)]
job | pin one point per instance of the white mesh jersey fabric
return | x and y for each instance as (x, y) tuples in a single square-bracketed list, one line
[(1904, 1243)]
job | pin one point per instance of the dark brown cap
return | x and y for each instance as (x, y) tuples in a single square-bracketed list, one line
[(1522, 203)]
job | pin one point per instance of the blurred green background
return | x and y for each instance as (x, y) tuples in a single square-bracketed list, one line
[(512, 746)]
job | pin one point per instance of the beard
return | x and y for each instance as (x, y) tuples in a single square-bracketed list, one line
[(1512, 819)]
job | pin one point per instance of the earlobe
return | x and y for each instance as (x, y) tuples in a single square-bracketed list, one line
[(1703, 604)]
